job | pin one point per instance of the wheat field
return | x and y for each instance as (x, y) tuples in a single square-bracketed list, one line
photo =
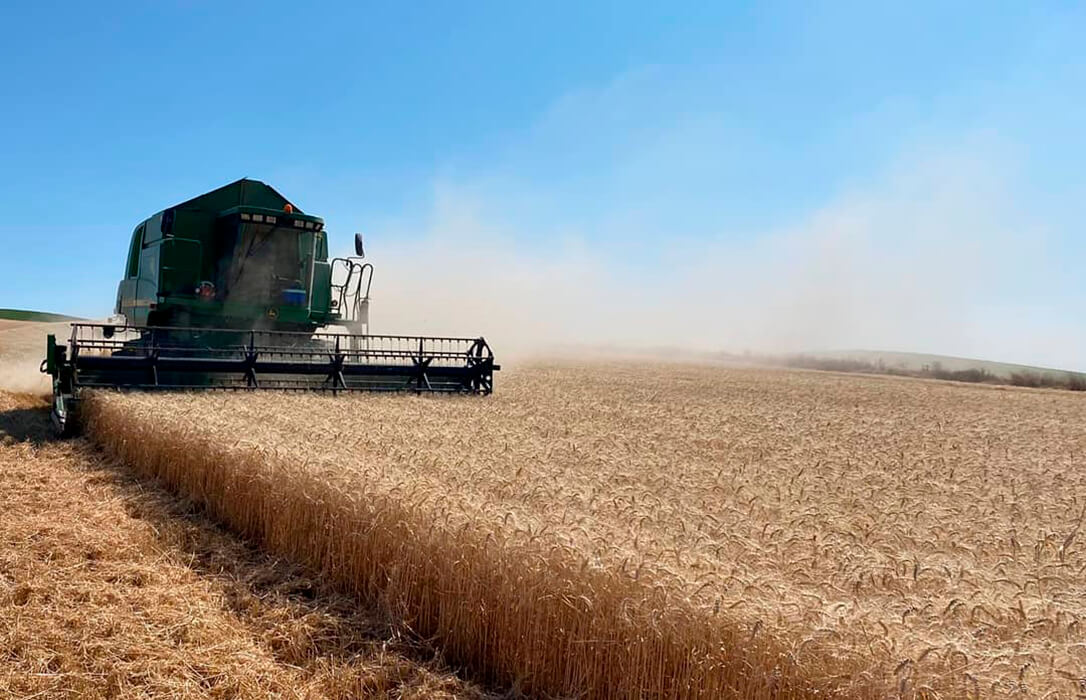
[(638, 529), (111, 588)]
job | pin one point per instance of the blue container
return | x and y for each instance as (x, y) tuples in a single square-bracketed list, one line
[(294, 297)]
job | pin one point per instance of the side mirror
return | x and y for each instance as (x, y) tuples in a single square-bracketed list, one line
[(166, 225), (358, 250)]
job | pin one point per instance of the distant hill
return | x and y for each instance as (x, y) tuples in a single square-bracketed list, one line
[(913, 364), (921, 362), (34, 316)]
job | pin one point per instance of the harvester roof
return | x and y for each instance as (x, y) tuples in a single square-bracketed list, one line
[(243, 192)]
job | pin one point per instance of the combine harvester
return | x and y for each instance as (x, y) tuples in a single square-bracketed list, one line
[(234, 290)]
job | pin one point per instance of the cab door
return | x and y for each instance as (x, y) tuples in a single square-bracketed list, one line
[(126, 290)]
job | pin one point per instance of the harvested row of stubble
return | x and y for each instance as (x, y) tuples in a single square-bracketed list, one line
[(111, 589), (673, 530)]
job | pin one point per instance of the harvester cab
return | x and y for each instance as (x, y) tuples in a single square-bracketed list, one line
[(234, 289)]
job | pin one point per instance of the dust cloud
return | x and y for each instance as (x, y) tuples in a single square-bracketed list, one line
[(22, 348), (936, 259)]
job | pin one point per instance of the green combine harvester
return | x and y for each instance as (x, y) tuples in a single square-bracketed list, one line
[(234, 290)]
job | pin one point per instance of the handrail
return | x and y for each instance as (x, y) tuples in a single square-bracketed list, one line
[(350, 295), (124, 327)]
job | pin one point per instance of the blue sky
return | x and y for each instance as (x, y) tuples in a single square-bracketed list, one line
[(778, 175)]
